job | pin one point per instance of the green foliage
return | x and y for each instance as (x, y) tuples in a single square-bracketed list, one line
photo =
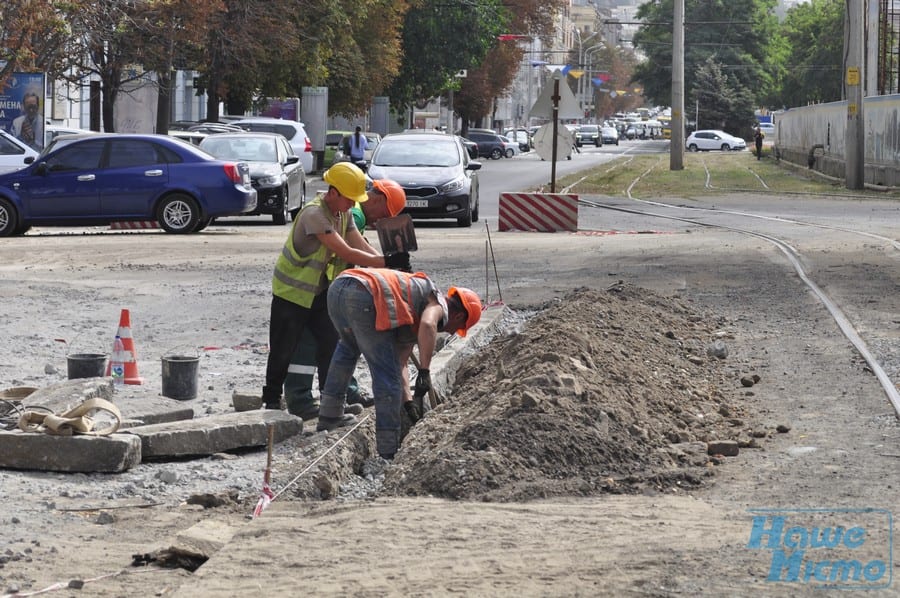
[(439, 38), (721, 103), (738, 35), (815, 32)]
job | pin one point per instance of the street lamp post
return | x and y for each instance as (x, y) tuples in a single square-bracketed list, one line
[(581, 55)]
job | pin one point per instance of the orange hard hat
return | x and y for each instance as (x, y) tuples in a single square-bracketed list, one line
[(471, 302), (396, 196)]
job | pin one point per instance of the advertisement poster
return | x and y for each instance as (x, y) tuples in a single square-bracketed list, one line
[(22, 108)]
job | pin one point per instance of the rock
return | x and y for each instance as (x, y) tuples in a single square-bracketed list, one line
[(245, 402), (717, 349), (783, 428), (726, 448), (747, 381), (530, 400)]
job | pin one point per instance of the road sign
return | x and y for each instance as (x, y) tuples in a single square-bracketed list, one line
[(568, 105)]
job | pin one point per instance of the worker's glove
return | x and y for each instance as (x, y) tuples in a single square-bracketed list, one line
[(398, 261), (413, 411), (423, 384)]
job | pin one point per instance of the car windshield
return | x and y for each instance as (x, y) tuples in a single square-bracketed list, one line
[(588, 129), (412, 152), (250, 149)]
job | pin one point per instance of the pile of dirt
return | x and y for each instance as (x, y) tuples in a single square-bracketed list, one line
[(604, 391)]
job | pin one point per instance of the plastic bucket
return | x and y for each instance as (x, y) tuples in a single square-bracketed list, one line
[(86, 365), (179, 376)]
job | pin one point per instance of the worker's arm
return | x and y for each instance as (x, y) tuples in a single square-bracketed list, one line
[(354, 252), (428, 328)]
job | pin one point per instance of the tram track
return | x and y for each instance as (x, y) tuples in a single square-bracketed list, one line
[(793, 256)]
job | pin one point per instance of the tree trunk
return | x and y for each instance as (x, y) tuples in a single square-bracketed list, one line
[(163, 102)]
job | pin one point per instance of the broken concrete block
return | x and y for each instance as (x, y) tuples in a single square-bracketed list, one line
[(213, 434), (80, 453), (726, 448), (244, 401), (63, 396), (150, 409)]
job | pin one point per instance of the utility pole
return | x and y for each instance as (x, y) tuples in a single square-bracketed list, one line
[(676, 145), (854, 77)]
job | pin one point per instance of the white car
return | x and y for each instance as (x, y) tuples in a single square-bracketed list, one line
[(14, 154), (713, 139), (51, 132), (293, 131), (512, 147)]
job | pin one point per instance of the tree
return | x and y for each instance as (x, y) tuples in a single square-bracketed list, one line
[(722, 103), (434, 48), (613, 67), (33, 36), (742, 46), (494, 75), (815, 33)]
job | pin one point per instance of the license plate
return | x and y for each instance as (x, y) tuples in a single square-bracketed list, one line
[(416, 203)]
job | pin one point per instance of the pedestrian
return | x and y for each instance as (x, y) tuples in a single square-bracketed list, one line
[(358, 146), (385, 199), (758, 138), (382, 314), (322, 242)]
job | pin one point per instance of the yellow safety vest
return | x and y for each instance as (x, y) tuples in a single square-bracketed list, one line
[(298, 278)]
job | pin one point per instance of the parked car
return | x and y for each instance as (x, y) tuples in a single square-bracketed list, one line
[(435, 170), (512, 148), (14, 154), (373, 139), (275, 170), (88, 180), (521, 137), (489, 144), (333, 144), (294, 131), (192, 137), (211, 128), (471, 147), (609, 135), (51, 132), (588, 134), (713, 139)]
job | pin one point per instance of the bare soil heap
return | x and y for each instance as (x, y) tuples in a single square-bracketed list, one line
[(615, 391)]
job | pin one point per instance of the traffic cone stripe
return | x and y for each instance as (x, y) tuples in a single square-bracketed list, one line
[(129, 355)]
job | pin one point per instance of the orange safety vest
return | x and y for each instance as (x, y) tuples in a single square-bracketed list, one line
[(391, 295)]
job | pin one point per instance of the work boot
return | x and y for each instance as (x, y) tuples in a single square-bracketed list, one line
[(305, 411), (354, 409), (355, 397), (272, 403), (328, 424)]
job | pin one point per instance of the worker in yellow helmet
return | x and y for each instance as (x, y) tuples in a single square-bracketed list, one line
[(322, 242), (385, 199)]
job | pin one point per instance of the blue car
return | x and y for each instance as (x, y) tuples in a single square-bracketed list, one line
[(96, 179)]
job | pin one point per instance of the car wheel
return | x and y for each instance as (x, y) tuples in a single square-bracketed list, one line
[(510, 153), (178, 213), (283, 215), (692, 147), (496, 154), (726, 147), (466, 220), (8, 219)]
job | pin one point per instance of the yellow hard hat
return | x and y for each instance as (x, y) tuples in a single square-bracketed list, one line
[(348, 179), (472, 304), (396, 196)]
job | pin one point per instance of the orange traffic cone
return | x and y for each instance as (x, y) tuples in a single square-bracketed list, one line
[(130, 355)]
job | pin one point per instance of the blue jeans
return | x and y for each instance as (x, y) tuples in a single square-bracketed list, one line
[(352, 311)]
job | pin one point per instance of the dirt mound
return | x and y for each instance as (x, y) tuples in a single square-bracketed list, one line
[(613, 391)]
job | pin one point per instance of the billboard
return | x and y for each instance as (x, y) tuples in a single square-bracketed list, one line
[(22, 108)]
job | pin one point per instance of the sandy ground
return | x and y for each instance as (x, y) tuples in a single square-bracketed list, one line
[(833, 466)]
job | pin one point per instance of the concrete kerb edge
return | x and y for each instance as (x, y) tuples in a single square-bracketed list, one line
[(447, 361)]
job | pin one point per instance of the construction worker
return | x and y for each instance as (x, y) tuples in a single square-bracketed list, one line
[(386, 199), (382, 314), (322, 241)]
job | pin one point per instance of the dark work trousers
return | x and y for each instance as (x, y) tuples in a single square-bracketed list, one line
[(286, 325)]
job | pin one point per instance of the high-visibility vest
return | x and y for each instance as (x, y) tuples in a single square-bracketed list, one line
[(298, 278), (393, 294)]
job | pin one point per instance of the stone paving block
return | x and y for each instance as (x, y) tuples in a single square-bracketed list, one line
[(151, 409), (65, 395), (79, 453), (215, 433)]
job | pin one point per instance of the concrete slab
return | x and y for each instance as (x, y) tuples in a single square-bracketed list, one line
[(65, 395), (72, 454), (151, 409), (214, 434)]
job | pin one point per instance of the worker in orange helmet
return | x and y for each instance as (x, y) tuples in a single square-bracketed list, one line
[(381, 314), (386, 199)]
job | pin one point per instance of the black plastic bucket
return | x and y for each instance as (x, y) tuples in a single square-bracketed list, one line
[(86, 365), (179, 376)]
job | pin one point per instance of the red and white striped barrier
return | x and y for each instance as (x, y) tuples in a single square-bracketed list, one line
[(133, 225), (538, 212)]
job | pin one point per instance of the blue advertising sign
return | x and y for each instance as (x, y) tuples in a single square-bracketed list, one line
[(22, 108)]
